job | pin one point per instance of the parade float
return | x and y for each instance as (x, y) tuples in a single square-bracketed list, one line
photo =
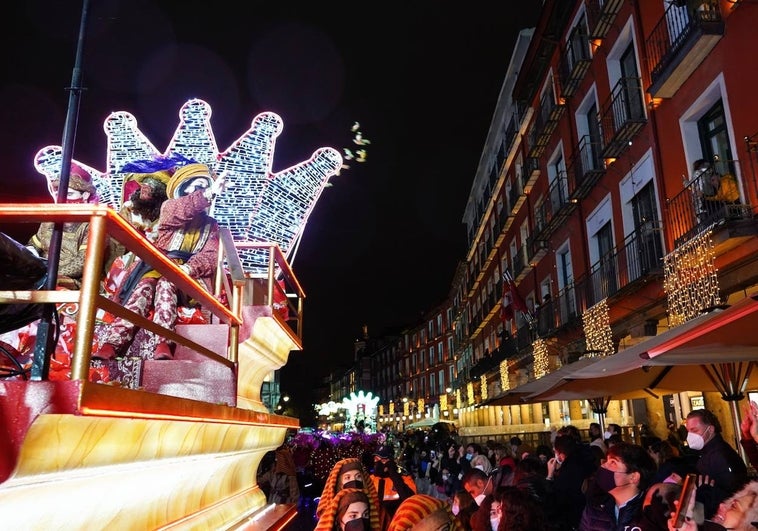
[(137, 443)]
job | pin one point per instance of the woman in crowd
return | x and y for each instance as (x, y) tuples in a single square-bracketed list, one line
[(349, 510), (348, 473), (463, 506), (515, 510)]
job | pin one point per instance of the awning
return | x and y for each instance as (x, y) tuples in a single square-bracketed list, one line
[(427, 423), (540, 385), (713, 352)]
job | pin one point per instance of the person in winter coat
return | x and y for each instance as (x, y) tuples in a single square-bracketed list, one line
[(570, 471), (615, 497), (723, 470)]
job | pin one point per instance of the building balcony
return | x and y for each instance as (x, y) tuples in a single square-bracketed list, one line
[(531, 173), (575, 61), (585, 167), (600, 16), (690, 214), (556, 208), (545, 123), (619, 271), (680, 41), (622, 117), (537, 248), (520, 264)]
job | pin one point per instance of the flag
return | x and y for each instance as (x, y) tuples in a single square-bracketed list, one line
[(512, 300)]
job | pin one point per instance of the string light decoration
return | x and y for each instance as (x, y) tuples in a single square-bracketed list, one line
[(443, 402), (505, 381), (597, 329), (381, 410), (260, 205), (470, 392), (458, 401), (541, 359), (691, 279), (483, 387), (406, 408), (392, 408), (421, 404)]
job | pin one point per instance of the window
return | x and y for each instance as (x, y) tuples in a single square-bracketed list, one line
[(440, 353), (431, 356), (432, 384), (441, 382), (714, 139), (556, 171)]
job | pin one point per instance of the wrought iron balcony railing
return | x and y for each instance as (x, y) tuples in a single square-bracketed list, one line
[(622, 117), (575, 62), (585, 167), (679, 42), (691, 212)]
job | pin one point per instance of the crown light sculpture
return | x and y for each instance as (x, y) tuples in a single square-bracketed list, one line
[(261, 205)]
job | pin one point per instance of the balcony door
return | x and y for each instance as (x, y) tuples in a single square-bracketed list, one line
[(632, 98), (604, 274), (646, 253)]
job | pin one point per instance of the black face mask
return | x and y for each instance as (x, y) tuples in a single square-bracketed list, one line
[(354, 484), (359, 524)]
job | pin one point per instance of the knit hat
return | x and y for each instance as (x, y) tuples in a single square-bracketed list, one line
[(416, 508), (332, 487), (183, 175), (350, 465), (385, 452), (339, 504)]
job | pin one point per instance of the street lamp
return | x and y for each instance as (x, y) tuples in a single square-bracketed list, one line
[(286, 398)]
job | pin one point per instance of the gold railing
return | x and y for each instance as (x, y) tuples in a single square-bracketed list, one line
[(106, 223)]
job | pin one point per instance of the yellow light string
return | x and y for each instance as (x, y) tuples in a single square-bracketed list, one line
[(381, 410), (470, 392), (540, 354), (405, 408), (392, 408), (443, 402), (420, 405), (505, 382), (597, 329), (458, 401), (483, 389), (691, 279)]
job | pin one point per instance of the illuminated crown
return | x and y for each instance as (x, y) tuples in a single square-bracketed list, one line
[(260, 206)]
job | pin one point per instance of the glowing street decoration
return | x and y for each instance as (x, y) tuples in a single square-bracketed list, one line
[(361, 410), (259, 206)]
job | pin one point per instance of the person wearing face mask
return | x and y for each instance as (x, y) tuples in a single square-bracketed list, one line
[(463, 506), (345, 474), (515, 510), (615, 497), (349, 510), (721, 468), (570, 471), (480, 486)]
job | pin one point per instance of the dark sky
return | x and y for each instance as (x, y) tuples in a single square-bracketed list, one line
[(422, 78)]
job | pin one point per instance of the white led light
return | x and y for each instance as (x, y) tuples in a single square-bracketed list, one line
[(259, 206)]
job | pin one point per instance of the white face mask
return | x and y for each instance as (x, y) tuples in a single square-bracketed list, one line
[(455, 508), (695, 441), (480, 467), (479, 499), (606, 434), (494, 522)]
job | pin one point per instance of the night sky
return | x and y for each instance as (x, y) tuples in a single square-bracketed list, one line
[(422, 79)]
